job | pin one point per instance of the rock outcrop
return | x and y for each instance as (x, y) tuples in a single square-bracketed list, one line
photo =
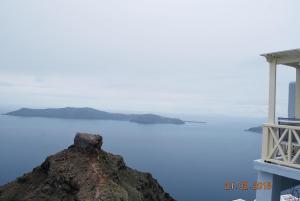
[(88, 142), (84, 172)]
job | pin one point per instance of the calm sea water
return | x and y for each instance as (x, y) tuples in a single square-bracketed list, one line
[(192, 161)]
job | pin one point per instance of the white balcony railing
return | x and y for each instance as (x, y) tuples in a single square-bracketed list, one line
[(281, 144)]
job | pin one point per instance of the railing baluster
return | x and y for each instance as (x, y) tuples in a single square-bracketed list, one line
[(265, 148), (277, 144), (294, 132), (296, 135), (289, 150)]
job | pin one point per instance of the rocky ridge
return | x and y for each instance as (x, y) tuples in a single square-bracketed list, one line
[(84, 172)]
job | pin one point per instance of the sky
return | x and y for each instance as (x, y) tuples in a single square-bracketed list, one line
[(159, 56)]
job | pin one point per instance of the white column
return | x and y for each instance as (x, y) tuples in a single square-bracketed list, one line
[(272, 92), (297, 101)]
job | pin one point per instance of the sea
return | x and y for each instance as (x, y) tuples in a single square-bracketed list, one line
[(193, 162)]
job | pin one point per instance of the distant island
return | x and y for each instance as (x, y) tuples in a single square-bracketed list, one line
[(256, 129), (90, 113)]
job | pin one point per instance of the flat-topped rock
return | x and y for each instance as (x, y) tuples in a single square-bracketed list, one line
[(88, 142)]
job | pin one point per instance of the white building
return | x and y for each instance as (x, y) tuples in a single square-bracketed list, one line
[(280, 158)]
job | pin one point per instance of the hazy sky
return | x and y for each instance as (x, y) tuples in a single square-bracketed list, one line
[(163, 56)]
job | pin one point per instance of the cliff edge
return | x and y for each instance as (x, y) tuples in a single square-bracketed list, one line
[(84, 172)]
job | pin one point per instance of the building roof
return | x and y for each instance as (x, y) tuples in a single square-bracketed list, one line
[(287, 57)]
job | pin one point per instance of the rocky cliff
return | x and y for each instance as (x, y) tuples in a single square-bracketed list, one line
[(84, 172)]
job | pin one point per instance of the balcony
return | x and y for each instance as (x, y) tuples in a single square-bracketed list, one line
[(281, 142)]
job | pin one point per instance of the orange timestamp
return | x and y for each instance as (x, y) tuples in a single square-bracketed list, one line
[(244, 186)]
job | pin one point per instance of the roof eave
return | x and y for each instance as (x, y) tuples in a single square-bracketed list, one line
[(288, 57)]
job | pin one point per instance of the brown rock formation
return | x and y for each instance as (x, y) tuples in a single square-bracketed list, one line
[(84, 172)]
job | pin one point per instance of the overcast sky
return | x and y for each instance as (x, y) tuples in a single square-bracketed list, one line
[(161, 56)]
